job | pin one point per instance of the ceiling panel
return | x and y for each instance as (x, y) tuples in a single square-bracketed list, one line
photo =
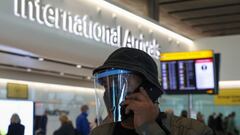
[(201, 18), (208, 12), (215, 19), (185, 5), (224, 26), (226, 33)]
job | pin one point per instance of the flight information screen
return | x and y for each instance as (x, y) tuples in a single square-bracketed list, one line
[(188, 72)]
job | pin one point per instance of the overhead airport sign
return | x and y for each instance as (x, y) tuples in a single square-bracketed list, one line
[(83, 26), (228, 97), (187, 55)]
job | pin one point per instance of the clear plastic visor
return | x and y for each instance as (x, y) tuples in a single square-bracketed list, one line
[(111, 87)]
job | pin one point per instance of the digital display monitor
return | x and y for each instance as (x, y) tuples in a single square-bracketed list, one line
[(189, 72), (24, 109)]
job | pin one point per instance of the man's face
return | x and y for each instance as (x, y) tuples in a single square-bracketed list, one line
[(117, 87), (131, 81), (128, 82), (117, 84)]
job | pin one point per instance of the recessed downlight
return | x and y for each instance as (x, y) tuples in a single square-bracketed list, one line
[(41, 59), (79, 66)]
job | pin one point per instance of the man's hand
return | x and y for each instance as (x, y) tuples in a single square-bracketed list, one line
[(142, 106)]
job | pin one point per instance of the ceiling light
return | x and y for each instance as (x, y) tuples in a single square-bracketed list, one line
[(41, 59), (150, 31), (169, 39), (98, 9), (139, 26), (79, 66), (114, 16), (178, 42)]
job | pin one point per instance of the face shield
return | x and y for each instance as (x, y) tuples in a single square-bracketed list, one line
[(111, 88)]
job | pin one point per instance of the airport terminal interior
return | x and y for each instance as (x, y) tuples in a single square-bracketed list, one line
[(49, 49)]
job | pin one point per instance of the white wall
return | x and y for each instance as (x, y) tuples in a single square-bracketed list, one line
[(229, 47), (44, 78)]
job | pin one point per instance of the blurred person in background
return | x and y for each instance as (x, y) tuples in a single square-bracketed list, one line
[(200, 117), (169, 111), (66, 127), (211, 121), (82, 123), (231, 127), (219, 125), (184, 114), (43, 123), (129, 78), (225, 123), (39, 132), (40, 123), (15, 127)]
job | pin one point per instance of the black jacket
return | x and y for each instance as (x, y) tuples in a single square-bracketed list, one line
[(65, 129), (15, 129)]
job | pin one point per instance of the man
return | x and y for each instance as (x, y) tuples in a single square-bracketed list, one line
[(212, 121), (219, 125), (66, 127), (200, 117), (43, 123), (82, 124), (184, 114), (130, 79), (231, 127)]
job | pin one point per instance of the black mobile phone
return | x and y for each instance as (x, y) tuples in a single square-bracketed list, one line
[(148, 87)]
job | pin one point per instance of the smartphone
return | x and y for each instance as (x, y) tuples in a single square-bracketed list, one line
[(152, 92)]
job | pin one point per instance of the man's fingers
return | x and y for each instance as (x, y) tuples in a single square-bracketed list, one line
[(141, 95), (129, 101), (131, 105)]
